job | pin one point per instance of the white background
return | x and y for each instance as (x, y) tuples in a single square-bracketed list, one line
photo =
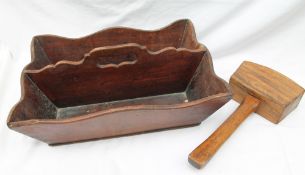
[(271, 33)]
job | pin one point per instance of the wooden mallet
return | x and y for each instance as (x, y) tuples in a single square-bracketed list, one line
[(259, 89)]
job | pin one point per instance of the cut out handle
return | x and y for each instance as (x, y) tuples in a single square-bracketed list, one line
[(116, 61), (205, 151), (106, 57)]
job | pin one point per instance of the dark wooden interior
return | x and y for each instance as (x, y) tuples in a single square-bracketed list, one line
[(167, 78), (147, 75)]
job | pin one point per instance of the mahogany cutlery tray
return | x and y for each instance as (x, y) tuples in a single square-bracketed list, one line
[(115, 82)]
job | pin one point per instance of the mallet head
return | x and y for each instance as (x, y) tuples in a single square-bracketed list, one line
[(278, 94)]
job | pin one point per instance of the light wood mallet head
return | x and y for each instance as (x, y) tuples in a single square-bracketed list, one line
[(259, 89)]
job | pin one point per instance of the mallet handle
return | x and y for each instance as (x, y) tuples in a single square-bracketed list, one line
[(204, 152)]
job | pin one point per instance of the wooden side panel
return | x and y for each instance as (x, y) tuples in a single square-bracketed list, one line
[(205, 82), (34, 104), (121, 123), (103, 76)]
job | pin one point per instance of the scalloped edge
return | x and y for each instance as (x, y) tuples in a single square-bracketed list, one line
[(186, 21), (135, 45)]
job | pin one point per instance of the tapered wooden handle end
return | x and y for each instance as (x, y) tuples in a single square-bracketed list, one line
[(200, 156), (193, 160)]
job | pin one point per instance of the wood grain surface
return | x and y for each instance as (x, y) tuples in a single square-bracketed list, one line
[(204, 152), (258, 89), (278, 94)]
